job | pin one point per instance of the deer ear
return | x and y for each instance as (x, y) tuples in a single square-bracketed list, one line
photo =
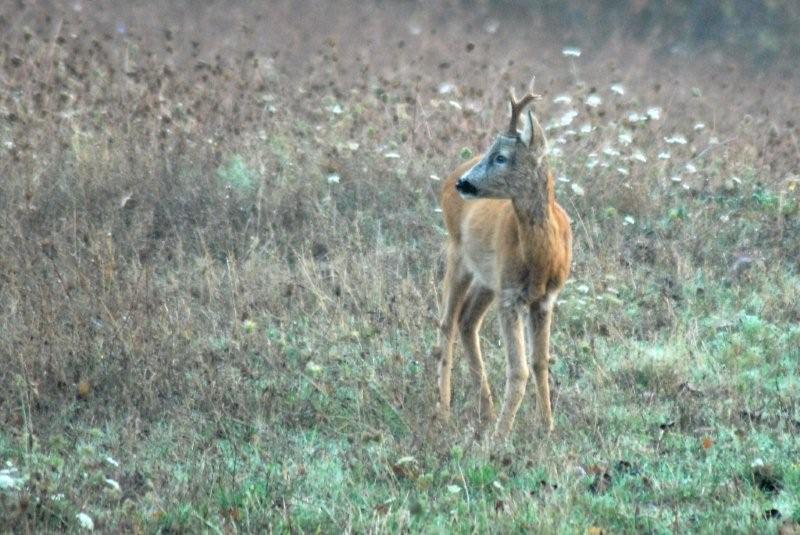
[(533, 134), (527, 128)]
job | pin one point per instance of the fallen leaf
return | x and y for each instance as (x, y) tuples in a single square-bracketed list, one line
[(406, 467), (666, 425), (84, 389), (624, 467), (707, 442), (601, 483), (766, 479), (231, 513), (595, 469)]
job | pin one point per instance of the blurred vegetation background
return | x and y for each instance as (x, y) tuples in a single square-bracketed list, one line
[(221, 259), (764, 32)]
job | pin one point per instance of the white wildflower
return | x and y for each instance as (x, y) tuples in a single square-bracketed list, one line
[(628, 220), (335, 109), (333, 178), (654, 113), (582, 288), (561, 140), (563, 99), (113, 484), (619, 89), (639, 156), (713, 140), (690, 168), (453, 489), (699, 126), (391, 155), (676, 139), (625, 138), (110, 460), (676, 178), (434, 177), (634, 117), (577, 190), (571, 52), (85, 521), (736, 179), (562, 178), (623, 171), (454, 104), (353, 145), (664, 155), (9, 479), (593, 100), (586, 128), (446, 87), (567, 118), (569, 133), (610, 151), (555, 151), (313, 368)]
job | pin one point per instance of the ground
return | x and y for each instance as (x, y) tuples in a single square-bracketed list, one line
[(221, 258)]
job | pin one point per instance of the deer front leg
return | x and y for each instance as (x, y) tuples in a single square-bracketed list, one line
[(516, 371), (539, 321), (456, 282), (472, 313)]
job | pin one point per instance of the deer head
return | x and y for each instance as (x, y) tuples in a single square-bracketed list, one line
[(513, 160)]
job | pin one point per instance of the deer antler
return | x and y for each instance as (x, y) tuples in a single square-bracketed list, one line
[(517, 106)]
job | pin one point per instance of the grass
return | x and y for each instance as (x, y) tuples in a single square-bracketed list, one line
[(220, 266)]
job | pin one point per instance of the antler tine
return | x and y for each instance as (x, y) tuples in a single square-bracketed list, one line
[(517, 106)]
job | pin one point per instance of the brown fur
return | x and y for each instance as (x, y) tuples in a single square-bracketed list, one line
[(518, 249)]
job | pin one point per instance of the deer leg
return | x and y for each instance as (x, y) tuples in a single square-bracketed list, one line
[(516, 371), (456, 282), (472, 313), (539, 329)]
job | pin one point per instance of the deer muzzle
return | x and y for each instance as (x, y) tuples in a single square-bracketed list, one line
[(466, 188)]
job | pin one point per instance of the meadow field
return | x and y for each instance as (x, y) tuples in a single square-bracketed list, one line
[(221, 256)]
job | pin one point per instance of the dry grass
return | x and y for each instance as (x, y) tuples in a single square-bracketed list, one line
[(220, 257)]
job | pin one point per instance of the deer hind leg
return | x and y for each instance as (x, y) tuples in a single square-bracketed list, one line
[(473, 311), (456, 282), (517, 372), (539, 328)]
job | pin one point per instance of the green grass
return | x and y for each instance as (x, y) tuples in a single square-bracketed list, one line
[(203, 332)]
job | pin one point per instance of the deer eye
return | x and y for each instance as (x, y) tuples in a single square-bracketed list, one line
[(500, 159)]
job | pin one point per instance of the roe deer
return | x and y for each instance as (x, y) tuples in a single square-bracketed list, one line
[(508, 238)]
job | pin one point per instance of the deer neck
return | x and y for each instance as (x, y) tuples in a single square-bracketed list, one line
[(535, 219), (534, 205)]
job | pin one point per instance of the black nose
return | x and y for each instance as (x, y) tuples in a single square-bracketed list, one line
[(465, 186)]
